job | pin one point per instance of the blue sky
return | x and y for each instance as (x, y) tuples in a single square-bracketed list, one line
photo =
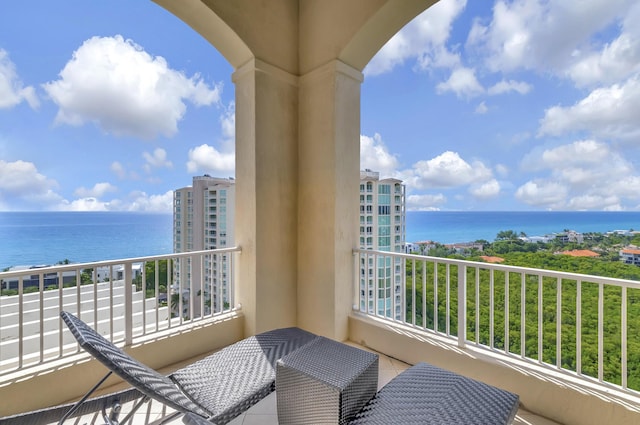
[(483, 105)]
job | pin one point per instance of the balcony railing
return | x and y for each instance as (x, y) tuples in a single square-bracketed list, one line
[(570, 322), (122, 299)]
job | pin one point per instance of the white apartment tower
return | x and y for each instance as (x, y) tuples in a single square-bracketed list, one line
[(203, 219), (382, 228)]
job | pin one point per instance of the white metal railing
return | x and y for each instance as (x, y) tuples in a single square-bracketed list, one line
[(581, 324), (122, 299)]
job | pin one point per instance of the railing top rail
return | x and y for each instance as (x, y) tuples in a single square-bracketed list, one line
[(75, 266), (506, 268)]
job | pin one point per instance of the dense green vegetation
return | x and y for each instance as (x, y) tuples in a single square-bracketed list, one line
[(542, 315), (150, 277)]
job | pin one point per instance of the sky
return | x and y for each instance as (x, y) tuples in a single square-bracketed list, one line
[(510, 105)]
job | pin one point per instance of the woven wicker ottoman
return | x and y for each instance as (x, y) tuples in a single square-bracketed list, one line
[(425, 394), (324, 382)]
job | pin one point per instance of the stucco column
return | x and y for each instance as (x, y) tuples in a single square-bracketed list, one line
[(266, 194), (329, 173)]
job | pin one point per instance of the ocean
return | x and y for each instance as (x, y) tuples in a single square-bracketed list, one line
[(37, 238), (44, 238), (467, 226)]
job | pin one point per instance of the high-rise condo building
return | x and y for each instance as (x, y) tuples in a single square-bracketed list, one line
[(203, 218), (382, 228)]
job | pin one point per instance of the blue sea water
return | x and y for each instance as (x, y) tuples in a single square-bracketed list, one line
[(37, 238), (468, 226)]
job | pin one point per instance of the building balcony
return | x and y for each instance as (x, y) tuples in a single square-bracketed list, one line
[(575, 363)]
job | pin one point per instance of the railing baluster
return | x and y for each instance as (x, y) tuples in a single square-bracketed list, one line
[(41, 314), (220, 281), (579, 327), (523, 315), (623, 337), (491, 309), (559, 323), (540, 317), (600, 331), (376, 284), (110, 304), (477, 304), (143, 294), (462, 306), (60, 308), (424, 294), (170, 283), (95, 298), (447, 301), (413, 292), (21, 322), (435, 296), (156, 286), (128, 304), (506, 312)]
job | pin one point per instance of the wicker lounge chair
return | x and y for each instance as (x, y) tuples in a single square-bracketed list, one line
[(425, 394), (218, 387)]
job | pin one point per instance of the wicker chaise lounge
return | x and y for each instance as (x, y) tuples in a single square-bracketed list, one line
[(425, 394), (218, 387)]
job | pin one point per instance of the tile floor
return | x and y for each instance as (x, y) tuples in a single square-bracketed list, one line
[(264, 412)]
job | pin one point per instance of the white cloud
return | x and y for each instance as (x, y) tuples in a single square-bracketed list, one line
[(208, 159), (445, 171), (486, 190), (375, 156), (137, 201), (205, 158), (12, 90), (121, 172), (228, 122), (591, 202), (142, 202), (97, 191), (610, 112), (22, 176), (617, 60), (158, 159), (543, 35), (23, 187), (115, 84), (543, 194), (582, 152), (613, 61), (481, 108), (84, 204), (462, 82), (585, 174), (423, 38), (425, 202), (509, 86)]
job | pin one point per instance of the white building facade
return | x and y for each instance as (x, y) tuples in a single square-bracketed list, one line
[(203, 219), (383, 228)]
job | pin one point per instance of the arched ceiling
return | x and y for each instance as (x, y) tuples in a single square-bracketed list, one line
[(297, 36)]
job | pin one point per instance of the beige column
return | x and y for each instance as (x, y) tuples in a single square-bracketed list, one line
[(329, 170), (266, 194)]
